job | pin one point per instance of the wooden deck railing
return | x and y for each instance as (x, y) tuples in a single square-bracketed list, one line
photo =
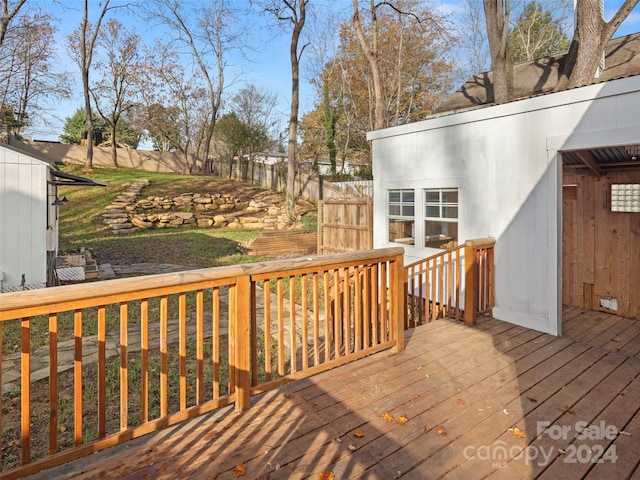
[(458, 282), (148, 352)]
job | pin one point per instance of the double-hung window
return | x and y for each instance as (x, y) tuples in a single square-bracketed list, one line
[(401, 214), (440, 217)]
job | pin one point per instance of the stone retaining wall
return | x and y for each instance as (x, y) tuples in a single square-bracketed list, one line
[(129, 213)]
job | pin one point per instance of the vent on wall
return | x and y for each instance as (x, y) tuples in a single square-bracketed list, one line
[(609, 303)]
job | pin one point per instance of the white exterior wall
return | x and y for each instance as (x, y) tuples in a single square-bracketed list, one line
[(504, 160), (25, 236)]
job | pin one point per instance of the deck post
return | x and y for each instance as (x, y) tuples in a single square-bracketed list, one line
[(242, 343), (397, 297), (470, 284)]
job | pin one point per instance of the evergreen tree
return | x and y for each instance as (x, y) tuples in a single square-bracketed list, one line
[(75, 128), (536, 34)]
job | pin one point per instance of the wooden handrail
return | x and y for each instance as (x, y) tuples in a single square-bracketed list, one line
[(434, 286), (311, 314)]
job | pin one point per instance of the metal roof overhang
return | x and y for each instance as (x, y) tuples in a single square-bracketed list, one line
[(601, 161), (62, 178)]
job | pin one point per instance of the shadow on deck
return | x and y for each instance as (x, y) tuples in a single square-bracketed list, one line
[(494, 401)]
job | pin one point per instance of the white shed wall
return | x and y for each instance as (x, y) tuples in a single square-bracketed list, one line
[(24, 234), (505, 161)]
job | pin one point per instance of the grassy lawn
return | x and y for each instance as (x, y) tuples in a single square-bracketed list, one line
[(81, 222)]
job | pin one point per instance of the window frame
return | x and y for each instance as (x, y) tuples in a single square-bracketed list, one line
[(402, 216), (442, 205)]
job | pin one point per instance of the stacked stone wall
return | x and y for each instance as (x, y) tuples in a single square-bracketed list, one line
[(129, 213)]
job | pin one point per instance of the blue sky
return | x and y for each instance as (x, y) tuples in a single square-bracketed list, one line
[(268, 69)]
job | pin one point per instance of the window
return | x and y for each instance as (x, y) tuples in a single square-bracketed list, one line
[(441, 217), (401, 211), (625, 197)]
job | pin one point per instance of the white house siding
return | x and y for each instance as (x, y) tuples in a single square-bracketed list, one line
[(23, 221), (505, 161)]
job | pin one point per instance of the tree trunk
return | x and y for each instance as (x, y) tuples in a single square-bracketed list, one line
[(497, 18), (114, 152), (293, 119), (85, 59), (371, 53), (7, 16), (589, 41)]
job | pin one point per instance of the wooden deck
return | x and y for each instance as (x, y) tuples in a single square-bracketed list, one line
[(600, 329), (477, 402)]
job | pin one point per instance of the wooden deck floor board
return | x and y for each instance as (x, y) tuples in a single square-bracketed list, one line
[(478, 383), (580, 323), (595, 409), (627, 451), (478, 396), (582, 400), (507, 411)]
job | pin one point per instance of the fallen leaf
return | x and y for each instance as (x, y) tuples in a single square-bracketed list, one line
[(288, 395), (62, 429), (358, 434), (315, 404), (425, 429), (334, 461), (402, 420), (388, 417), (352, 447), (519, 433), (516, 388), (531, 399), (325, 475), (239, 471), (460, 401), (567, 409), (440, 430)]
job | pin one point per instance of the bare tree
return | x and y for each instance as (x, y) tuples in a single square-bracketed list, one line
[(473, 35), (27, 76), (206, 32), (8, 12), (294, 14), (497, 18), (114, 94), (81, 46), (177, 106), (254, 107), (370, 49)]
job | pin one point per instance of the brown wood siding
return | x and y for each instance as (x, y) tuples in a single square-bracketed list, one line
[(600, 249)]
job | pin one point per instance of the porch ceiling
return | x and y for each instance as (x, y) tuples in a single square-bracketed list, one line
[(601, 161)]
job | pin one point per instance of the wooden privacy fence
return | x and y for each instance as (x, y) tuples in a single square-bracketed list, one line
[(148, 352), (345, 225), (458, 281)]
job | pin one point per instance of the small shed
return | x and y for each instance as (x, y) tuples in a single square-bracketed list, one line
[(29, 205), (476, 170)]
